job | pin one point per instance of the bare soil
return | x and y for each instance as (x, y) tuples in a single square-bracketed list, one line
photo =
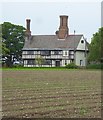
[(51, 93)]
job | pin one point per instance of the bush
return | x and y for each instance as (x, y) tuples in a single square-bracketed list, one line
[(17, 66), (95, 66), (71, 66)]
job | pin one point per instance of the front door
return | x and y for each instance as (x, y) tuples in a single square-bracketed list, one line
[(81, 62), (57, 63)]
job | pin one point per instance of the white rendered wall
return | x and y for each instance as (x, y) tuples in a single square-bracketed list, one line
[(80, 55)]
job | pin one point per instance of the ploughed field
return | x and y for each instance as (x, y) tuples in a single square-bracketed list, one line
[(51, 93)]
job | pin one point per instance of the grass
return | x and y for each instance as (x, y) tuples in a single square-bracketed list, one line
[(89, 67), (51, 93), (36, 68)]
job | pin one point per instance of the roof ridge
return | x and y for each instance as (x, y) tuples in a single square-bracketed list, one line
[(56, 35), (43, 35), (75, 35)]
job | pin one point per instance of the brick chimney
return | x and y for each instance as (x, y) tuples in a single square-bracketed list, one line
[(63, 29), (28, 32)]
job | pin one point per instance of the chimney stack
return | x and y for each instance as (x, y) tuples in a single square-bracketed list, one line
[(63, 29), (28, 32), (28, 24)]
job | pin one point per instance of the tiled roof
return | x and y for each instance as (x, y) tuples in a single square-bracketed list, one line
[(52, 42)]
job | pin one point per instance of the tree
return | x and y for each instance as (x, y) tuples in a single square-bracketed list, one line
[(5, 51), (96, 47), (39, 60), (12, 39)]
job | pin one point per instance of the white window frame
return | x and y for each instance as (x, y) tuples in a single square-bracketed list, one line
[(65, 53)]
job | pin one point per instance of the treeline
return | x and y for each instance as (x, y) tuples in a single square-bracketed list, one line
[(95, 56), (96, 47)]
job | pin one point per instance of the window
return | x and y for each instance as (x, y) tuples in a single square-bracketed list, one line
[(24, 52), (56, 52), (30, 52), (45, 52), (65, 53), (30, 62), (47, 62), (37, 52), (82, 41), (71, 52)]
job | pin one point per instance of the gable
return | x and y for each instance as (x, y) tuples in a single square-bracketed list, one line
[(82, 44)]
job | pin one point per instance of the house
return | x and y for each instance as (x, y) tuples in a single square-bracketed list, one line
[(54, 50)]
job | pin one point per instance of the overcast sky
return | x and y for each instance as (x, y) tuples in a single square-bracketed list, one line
[(84, 17)]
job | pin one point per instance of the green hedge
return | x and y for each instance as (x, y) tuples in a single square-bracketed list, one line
[(95, 66)]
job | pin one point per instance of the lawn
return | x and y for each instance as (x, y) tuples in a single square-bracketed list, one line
[(51, 93)]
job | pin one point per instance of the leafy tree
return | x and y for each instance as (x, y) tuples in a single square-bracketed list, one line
[(5, 51), (39, 60), (96, 46), (12, 39)]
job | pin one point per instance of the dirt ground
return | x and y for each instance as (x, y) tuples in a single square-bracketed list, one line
[(51, 93)]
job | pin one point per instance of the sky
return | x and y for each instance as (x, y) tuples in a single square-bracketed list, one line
[(102, 14), (83, 17)]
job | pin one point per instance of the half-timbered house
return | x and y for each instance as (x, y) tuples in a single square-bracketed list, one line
[(54, 50)]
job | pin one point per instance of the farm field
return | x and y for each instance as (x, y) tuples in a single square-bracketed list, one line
[(51, 93)]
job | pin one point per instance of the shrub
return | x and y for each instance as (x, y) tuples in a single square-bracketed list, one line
[(17, 66), (71, 66), (95, 66)]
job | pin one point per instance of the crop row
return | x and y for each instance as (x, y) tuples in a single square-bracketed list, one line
[(47, 110)]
